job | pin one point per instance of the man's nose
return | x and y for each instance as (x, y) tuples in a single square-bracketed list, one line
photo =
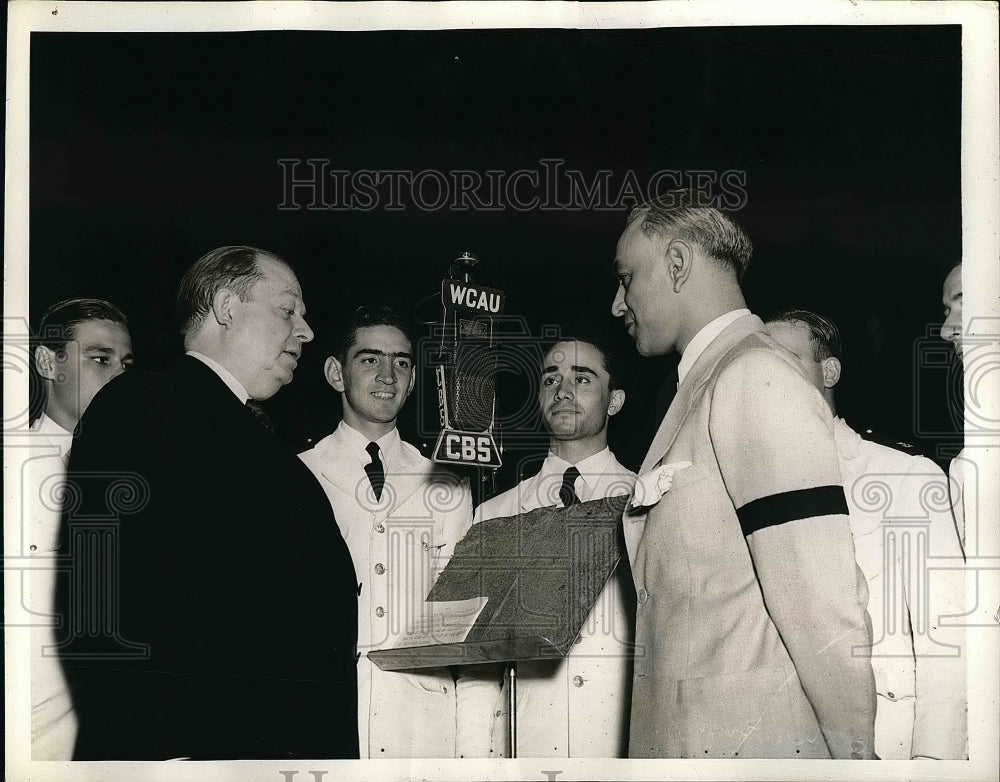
[(563, 390), (951, 329), (386, 372), (618, 305), (302, 331)]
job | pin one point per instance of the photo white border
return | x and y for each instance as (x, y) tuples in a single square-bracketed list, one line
[(980, 248)]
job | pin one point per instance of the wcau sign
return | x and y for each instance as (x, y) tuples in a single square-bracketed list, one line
[(471, 298)]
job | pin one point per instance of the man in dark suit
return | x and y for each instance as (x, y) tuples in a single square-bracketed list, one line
[(751, 631), (212, 602)]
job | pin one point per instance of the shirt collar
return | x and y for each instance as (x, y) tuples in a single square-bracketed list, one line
[(45, 425), (388, 444), (704, 338), (224, 374), (590, 468)]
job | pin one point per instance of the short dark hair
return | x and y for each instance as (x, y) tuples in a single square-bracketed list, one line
[(233, 267), (59, 322), (607, 357), (364, 316), (679, 212), (58, 325), (823, 332)]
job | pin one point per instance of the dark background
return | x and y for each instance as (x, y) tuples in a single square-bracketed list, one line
[(147, 150)]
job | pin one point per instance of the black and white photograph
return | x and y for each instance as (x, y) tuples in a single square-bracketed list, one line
[(509, 390)]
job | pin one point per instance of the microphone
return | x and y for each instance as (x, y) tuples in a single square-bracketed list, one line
[(466, 368)]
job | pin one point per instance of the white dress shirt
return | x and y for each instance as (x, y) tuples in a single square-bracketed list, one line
[(224, 374), (703, 339)]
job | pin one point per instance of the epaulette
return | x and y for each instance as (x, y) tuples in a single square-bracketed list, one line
[(889, 442)]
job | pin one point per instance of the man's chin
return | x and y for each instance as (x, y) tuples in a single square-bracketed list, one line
[(646, 350)]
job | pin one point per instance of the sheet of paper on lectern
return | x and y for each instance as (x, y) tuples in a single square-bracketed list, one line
[(516, 588)]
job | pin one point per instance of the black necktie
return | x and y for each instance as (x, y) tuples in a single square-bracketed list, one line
[(375, 471), (567, 493), (258, 413)]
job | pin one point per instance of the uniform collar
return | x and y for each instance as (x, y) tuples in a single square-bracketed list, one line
[(388, 444), (45, 425), (848, 441)]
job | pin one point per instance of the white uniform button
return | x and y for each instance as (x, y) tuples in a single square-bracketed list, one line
[(577, 681), (643, 596), (33, 547), (380, 612), (380, 568)]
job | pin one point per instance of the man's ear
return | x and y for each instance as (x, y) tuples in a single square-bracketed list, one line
[(831, 371), (45, 362), (617, 401), (334, 374), (413, 380), (222, 307), (679, 257)]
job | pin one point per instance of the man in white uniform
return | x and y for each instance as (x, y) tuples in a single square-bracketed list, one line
[(401, 516), (951, 330), (577, 706), (908, 549), (82, 344)]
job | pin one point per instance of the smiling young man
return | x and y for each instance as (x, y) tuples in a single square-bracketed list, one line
[(401, 516), (577, 706), (750, 603), (226, 558)]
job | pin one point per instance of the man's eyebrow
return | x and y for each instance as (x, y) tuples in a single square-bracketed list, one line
[(575, 368), (97, 349), (295, 294), (374, 352)]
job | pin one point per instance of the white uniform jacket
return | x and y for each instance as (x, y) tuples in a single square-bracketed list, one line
[(907, 547), (578, 706), (399, 544), (53, 719)]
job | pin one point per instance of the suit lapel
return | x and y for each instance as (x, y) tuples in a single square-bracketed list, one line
[(694, 385)]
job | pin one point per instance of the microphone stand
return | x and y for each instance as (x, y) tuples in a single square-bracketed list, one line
[(512, 707)]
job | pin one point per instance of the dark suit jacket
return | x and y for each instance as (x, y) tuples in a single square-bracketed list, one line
[(213, 606)]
